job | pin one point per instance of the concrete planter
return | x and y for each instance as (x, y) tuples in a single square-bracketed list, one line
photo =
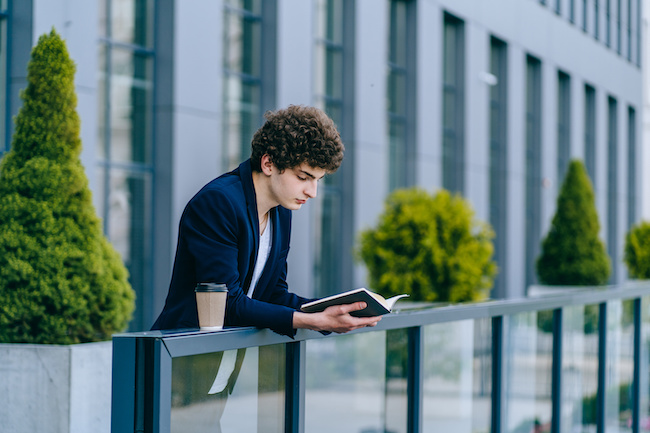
[(57, 389)]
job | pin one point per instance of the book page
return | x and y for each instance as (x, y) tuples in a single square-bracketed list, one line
[(391, 301)]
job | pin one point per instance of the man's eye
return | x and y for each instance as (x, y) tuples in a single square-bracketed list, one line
[(302, 178)]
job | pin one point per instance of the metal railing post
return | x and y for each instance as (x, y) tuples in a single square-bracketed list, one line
[(415, 377), (294, 410), (602, 368), (556, 381), (636, 381), (497, 373)]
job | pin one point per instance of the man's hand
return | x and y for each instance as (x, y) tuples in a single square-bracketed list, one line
[(336, 318)]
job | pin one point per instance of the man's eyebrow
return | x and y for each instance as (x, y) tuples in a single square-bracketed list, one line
[(309, 174)]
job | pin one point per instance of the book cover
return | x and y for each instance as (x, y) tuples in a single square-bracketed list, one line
[(376, 304)]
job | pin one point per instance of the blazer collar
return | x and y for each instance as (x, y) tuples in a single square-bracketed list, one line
[(246, 175)]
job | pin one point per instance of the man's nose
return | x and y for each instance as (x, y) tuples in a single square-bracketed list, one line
[(312, 189)]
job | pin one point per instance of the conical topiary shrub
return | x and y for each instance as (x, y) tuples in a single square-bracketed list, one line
[(60, 280), (429, 246), (572, 252), (637, 251)]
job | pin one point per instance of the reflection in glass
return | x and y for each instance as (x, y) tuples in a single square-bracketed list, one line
[(345, 383), (125, 137), (328, 91), (579, 368), (132, 22), (453, 110), (242, 57), (131, 98), (129, 228), (397, 93), (644, 416), (457, 382), (528, 363), (232, 391), (620, 366)]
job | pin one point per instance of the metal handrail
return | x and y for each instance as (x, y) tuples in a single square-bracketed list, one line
[(142, 361)]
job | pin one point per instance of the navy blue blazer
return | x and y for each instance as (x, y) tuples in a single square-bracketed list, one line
[(217, 242)]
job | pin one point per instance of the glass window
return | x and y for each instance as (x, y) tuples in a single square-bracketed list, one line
[(453, 104), (596, 19), (619, 366), (608, 23), (584, 15), (457, 377), (637, 31), (328, 206), (631, 167), (590, 132), (563, 125), (498, 156), (236, 390), (579, 368), (346, 383), (5, 139), (400, 52), (644, 383), (612, 184), (242, 84), (528, 365), (125, 138), (533, 167), (628, 30)]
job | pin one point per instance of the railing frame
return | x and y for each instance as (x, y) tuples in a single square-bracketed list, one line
[(142, 362)]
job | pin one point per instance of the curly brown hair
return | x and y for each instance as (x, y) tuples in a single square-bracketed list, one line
[(295, 135)]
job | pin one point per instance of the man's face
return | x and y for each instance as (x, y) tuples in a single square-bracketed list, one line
[(294, 186)]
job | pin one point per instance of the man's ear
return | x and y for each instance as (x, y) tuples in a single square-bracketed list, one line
[(267, 164)]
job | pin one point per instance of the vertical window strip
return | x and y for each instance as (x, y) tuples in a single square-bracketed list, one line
[(631, 167), (584, 16), (5, 120), (453, 109), (533, 167), (125, 139), (590, 132), (619, 24), (329, 70), (397, 92), (563, 125), (612, 184), (638, 33), (572, 11), (608, 23), (596, 19), (242, 84), (498, 113), (628, 30)]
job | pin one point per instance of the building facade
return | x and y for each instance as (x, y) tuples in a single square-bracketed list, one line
[(488, 99)]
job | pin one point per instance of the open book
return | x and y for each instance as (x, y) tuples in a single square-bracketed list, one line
[(376, 304)]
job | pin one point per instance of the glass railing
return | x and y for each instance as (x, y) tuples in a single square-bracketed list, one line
[(575, 361)]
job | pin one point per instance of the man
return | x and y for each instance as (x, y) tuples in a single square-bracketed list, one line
[(236, 230)]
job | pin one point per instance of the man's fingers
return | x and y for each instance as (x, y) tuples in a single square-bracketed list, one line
[(348, 308)]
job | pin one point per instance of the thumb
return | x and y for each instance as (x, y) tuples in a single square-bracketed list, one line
[(348, 308)]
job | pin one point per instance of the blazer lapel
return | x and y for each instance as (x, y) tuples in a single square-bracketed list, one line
[(246, 175)]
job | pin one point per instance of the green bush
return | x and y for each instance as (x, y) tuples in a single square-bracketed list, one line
[(572, 252), (637, 251), (430, 247), (60, 280)]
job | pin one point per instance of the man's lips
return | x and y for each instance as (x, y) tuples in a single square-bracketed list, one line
[(301, 201)]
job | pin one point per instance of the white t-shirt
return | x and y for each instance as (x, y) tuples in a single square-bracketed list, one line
[(262, 256)]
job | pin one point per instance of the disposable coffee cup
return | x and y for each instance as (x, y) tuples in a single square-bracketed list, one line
[(211, 305)]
